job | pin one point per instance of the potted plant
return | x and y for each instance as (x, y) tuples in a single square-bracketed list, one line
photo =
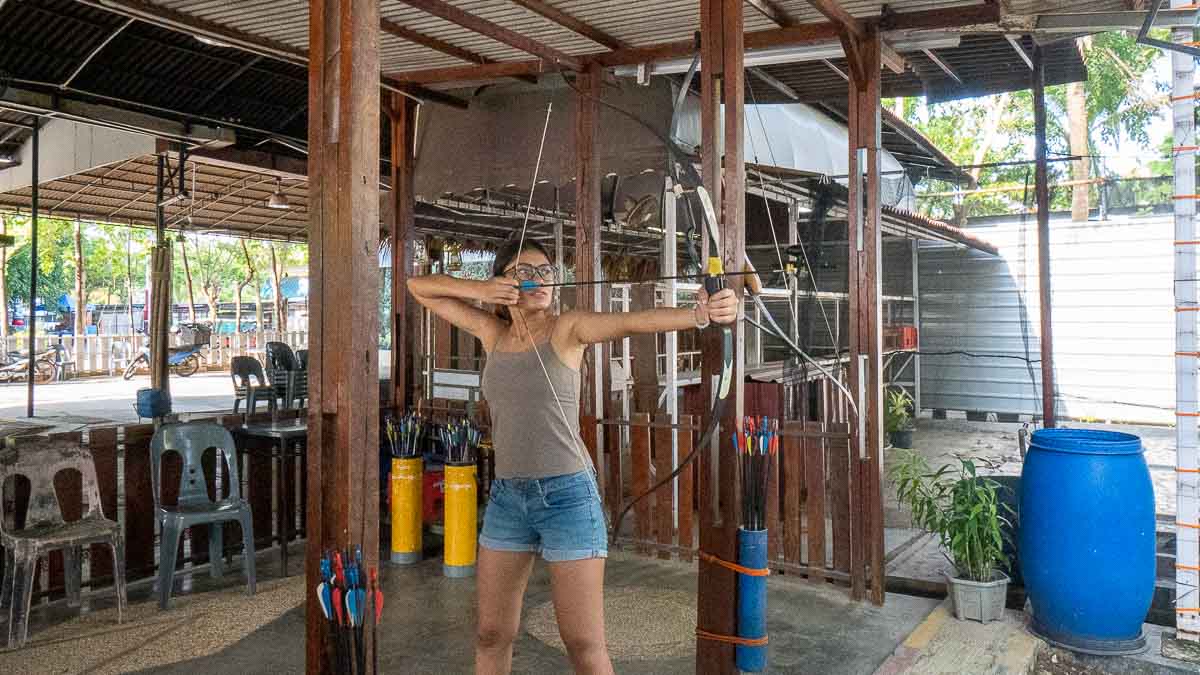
[(962, 509), (897, 419)]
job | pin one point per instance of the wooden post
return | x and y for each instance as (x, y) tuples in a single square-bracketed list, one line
[(866, 364), (402, 114), (722, 78), (343, 413), (587, 242), (1042, 193)]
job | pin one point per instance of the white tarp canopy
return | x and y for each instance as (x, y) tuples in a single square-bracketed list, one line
[(798, 136)]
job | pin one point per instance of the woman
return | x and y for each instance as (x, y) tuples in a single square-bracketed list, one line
[(544, 499)]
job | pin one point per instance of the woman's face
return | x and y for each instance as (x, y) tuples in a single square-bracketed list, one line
[(532, 264)]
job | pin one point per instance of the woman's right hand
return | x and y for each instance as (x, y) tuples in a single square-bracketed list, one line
[(500, 291)]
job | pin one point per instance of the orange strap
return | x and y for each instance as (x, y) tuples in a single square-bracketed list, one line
[(1187, 414), (1178, 470), (1187, 610), (1193, 568), (1187, 353), (1186, 97), (731, 639), (1187, 309), (1187, 242), (1193, 526), (1186, 197), (1185, 148), (748, 571)]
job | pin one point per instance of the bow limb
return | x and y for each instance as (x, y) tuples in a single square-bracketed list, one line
[(714, 421)]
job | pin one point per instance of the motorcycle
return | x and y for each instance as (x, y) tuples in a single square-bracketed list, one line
[(14, 367), (185, 360)]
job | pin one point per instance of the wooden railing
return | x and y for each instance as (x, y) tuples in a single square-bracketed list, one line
[(93, 354), (809, 510)]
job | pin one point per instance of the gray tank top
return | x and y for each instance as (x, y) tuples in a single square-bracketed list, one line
[(528, 433)]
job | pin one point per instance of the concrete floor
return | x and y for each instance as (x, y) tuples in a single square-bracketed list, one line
[(105, 400), (429, 623), (428, 626)]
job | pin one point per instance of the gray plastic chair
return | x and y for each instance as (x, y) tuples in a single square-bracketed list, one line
[(40, 460), (190, 440), (250, 384)]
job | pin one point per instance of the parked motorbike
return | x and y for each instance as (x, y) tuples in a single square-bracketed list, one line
[(14, 367), (185, 360)]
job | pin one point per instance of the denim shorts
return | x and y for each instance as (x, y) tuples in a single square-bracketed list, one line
[(560, 517)]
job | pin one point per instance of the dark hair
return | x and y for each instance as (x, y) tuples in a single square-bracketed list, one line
[(506, 254)]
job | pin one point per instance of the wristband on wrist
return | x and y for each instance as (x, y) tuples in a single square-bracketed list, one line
[(696, 316)]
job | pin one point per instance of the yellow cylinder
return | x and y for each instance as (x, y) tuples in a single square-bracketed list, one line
[(461, 536), (405, 490)]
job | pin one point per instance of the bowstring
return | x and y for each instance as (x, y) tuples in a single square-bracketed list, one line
[(803, 250), (528, 334)]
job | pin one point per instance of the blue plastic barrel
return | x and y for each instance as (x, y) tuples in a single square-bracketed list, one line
[(1087, 539), (752, 601), (153, 403)]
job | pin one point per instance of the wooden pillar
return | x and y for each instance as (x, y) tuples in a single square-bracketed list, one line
[(343, 413), (402, 113), (1042, 194), (866, 364), (644, 350), (722, 78), (587, 241)]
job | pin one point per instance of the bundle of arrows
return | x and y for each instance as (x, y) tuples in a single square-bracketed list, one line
[(461, 440), (757, 444), (344, 592), (406, 435)]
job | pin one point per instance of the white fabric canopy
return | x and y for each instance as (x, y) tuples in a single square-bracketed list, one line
[(800, 138)]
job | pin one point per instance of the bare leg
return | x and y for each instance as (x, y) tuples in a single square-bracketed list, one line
[(578, 590), (501, 580)]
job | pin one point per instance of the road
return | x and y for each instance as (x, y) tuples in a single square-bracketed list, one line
[(111, 399)]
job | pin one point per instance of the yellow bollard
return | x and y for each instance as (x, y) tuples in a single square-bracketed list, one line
[(462, 529), (405, 488)]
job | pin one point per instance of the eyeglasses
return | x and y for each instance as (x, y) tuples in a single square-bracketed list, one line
[(527, 272)]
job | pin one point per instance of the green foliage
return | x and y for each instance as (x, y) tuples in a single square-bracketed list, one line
[(897, 416), (957, 505), (1000, 128)]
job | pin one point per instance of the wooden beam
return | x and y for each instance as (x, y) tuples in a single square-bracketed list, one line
[(1019, 49), (436, 44), (1042, 197), (439, 45), (495, 31), (943, 65), (462, 73), (891, 58), (422, 94), (343, 208), (866, 364), (771, 10), (588, 221), (403, 117), (830, 9), (571, 23), (722, 78)]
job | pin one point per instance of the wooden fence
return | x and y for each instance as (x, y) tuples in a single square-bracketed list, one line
[(94, 354), (122, 458), (809, 510)]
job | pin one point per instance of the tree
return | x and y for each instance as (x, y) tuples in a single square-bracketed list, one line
[(187, 275), (241, 287), (213, 261), (1117, 109), (80, 292)]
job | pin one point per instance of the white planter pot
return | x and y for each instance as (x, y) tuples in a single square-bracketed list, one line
[(978, 600)]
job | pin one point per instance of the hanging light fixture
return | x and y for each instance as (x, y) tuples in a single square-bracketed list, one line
[(278, 200)]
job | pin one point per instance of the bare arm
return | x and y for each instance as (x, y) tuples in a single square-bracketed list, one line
[(593, 327), (451, 298)]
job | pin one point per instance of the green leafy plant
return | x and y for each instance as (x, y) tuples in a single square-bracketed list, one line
[(960, 507), (898, 415)]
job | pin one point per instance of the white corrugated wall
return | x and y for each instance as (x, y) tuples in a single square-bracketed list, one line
[(1113, 320)]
